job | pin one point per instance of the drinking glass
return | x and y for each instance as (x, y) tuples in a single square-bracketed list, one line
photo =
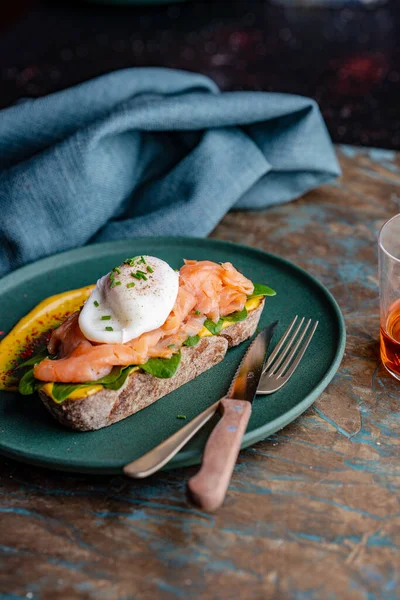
[(389, 291)]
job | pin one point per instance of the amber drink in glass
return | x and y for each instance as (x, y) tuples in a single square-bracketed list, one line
[(389, 290)]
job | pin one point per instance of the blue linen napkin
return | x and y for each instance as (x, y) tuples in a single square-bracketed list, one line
[(149, 151)]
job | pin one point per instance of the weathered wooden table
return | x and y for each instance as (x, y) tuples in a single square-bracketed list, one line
[(312, 512)]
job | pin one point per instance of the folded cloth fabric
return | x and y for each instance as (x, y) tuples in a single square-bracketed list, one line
[(149, 151)]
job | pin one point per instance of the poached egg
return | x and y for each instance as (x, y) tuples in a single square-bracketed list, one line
[(134, 298)]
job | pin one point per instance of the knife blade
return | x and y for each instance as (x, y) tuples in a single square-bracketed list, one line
[(247, 377), (208, 487), (156, 458)]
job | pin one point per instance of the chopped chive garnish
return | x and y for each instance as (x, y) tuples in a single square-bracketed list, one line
[(197, 312), (171, 346), (117, 283), (142, 260), (149, 269), (109, 329), (139, 275), (181, 416), (105, 318), (117, 270), (96, 303), (130, 261), (129, 285)]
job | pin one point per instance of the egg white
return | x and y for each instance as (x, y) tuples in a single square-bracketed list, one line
[(132, 310)]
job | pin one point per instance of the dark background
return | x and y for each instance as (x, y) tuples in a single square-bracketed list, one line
[(347, 58)]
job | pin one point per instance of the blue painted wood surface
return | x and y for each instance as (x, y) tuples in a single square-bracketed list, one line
[(312, 513)]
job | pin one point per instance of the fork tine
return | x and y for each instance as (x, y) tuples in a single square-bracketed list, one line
[(280, 344), (304, 347), (273, 367), (293, 350), (271, 381)]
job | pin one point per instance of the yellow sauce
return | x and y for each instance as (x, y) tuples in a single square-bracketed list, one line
[(76, 394), (47, 315)]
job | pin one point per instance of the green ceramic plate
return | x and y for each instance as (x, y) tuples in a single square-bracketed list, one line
[(30, 434)]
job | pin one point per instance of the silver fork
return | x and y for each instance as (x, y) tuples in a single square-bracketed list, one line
[(286, 357), (279, 368)]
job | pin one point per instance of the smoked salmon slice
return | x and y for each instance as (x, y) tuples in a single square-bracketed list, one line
[(206, 290)]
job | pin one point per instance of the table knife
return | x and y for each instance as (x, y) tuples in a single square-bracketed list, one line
[(156, 458), (208, 487)]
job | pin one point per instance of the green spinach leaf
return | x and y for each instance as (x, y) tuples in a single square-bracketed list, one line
[(192, 340), (235, 317), (262, 290), (118, 383), (113, 381), (34, 360), (164, 368), (28, 384), (212, 327), (61, 391), (114, 375)]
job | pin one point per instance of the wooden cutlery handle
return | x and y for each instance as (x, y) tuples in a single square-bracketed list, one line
[(208, 487)]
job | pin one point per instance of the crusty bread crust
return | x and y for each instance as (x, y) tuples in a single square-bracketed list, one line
[(142, 389)]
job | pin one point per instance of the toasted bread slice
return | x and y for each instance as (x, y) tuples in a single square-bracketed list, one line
[(142, 389)]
